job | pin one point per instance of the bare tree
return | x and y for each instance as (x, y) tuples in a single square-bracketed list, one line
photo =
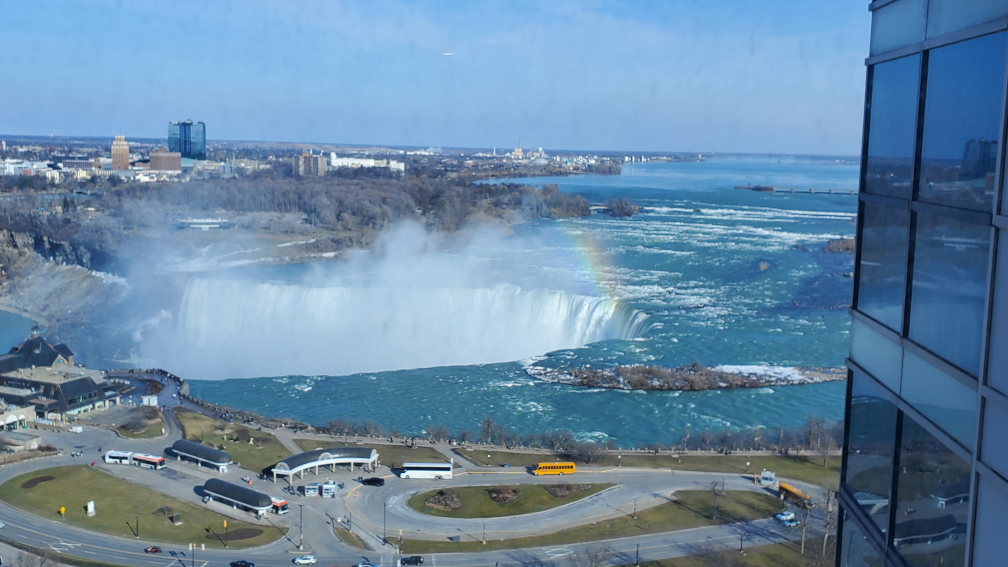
[(591, 555), (826, 447), (487, 429), (714, 494), (684, 440), (806, 513), (828, 504)]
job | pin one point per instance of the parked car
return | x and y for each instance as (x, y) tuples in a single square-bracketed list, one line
[(2, 525), (791, 523), (373, 481), (152, 549), (785, 516), (305, 560), (414, 560), (241, 563)]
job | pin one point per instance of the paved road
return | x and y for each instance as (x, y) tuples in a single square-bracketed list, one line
[(367, 506)]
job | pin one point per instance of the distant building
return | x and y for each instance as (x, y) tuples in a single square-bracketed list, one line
[(120, 154), (187, 138), (309, 165), (351, 162), (85, 163), (164, 160)]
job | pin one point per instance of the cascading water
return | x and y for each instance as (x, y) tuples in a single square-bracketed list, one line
[(233, 328)]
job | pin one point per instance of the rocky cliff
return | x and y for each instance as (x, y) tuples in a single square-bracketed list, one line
[(52, 281)]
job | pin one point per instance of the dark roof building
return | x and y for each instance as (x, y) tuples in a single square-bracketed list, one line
[(36, 351), (237, 495), (201, 454), (58, 391)]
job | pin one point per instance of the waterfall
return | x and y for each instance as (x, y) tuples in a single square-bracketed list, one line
[(233, 328)]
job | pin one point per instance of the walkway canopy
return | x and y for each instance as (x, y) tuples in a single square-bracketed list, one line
[(361, 456), (201, 454), (238, 496)]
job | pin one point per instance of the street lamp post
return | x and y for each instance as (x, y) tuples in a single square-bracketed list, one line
[(635, 508), (138, 527), (384, 534), (484, 533), (301, 527), (638, 555)]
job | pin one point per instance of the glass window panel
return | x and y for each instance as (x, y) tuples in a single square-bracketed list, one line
[(884, 243), (932, 500), (946, 16), (950, 404), (856, 551), (897, 25), (893, 126), (870, 446), (997, 369), (988, 529), (994, 447), (881, 357), (962, 114), (949, 289)]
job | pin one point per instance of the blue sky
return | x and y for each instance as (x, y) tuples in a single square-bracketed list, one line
[(769, 76)]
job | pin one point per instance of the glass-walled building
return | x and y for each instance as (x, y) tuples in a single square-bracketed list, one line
[(187, 138), (925, 470)]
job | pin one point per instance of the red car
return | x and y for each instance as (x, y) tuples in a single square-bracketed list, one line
[(152, 549)]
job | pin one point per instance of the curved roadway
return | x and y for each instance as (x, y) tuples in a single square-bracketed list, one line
[(366, 507)]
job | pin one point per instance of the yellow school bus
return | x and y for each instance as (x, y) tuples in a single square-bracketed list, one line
[(554, 468)]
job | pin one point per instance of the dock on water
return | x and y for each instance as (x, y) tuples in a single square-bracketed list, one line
[(808, 190)]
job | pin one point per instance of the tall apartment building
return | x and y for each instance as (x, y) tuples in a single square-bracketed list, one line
[(308, 164), (924, 479), (187, 138), (120, 154)]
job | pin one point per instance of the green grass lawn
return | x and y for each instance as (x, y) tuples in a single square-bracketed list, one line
[(690, 509), (394, 455), (476, 502), (775, 555), (809, 469), (117, 505), (262, 455)]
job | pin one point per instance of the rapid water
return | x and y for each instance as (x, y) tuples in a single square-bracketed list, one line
[(705, 272)]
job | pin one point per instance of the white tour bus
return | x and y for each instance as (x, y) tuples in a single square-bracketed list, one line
[(427, 470)]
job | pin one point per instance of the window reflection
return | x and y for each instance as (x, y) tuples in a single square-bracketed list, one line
[(856, 551), (884, 246), (947, 402), (949, 281), (961, 117), (892, 128), (997, 361), (870, 447), (932, 505)]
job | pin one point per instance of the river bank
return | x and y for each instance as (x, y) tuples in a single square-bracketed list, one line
[(690, 377)]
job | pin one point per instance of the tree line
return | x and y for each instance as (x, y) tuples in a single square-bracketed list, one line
[(352, 208)]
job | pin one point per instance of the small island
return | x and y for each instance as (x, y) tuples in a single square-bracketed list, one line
[(690, 377)]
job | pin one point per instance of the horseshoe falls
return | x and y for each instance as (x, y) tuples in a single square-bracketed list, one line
[(277, 329)]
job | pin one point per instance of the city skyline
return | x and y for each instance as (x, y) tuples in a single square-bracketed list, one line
[(626, 77)]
